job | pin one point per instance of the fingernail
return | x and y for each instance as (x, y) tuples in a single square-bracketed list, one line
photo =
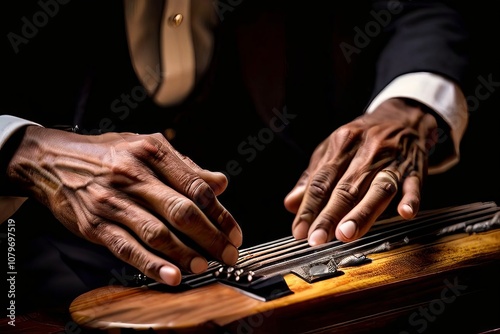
[(236, 237), (230, 255), (407, 209), (300, 231), (198, 265), (348, 229), (170, 275), (318, 237), (295, 192)]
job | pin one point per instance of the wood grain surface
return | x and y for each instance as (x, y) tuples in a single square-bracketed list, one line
[(432, 287)]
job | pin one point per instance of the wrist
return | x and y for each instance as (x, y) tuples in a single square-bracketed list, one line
[(7, 161)]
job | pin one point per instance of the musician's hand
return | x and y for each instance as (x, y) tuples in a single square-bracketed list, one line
[(356, 172), (134, 194)]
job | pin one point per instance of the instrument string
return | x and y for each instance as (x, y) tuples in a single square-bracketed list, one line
[(279, 256)]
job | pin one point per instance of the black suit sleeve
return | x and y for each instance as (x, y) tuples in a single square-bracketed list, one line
[(421, 36)]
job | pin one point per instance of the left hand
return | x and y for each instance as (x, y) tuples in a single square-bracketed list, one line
[(355, 173)]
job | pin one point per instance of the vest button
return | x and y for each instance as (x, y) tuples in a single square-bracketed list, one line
[(176, 20)]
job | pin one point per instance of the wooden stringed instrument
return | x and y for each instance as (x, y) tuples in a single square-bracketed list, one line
[(439, 272)]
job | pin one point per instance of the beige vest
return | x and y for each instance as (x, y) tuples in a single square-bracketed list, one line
[(170, 43)]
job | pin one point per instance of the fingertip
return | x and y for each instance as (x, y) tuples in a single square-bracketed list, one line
[(170, 275), (217, 181), (219, 176), (230, 255), (347, 230), (300, 231), (318, 237), (198, 265), (406, 211), (293, 199), (236, 236)]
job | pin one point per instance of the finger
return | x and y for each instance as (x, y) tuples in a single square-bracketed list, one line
[(342, 199), (186, 217), (294, 197), (151, 231), (171, 165), (317, 192), (217, 180), (165, 162), (378, 197), (129, 250), (329, 162), (409, 205)]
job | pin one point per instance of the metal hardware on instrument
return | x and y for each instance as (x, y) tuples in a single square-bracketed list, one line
[(260, 269)]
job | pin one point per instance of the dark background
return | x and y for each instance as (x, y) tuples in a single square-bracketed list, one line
[(476, 177), (85, 41)]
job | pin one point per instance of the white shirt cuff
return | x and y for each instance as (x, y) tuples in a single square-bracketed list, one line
[(439, 94), (8, 126)]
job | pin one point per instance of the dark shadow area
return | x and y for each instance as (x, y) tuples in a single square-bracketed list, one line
[(476, 177)]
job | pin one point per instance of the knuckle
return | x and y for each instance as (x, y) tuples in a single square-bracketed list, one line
[(225, 219), (320, 186), (386, 183), (224, 216), (201, 192), (148, 144), (155, 235), (347, 193), (345, 133), (384, 187), (151, 147), (326, 224), (92, 228), (123, 167), (364, 214), (346, 136), (326, 220), (121, 247), (107, 204), (318, 189), (120, 164), (182, 211), (377, 140), (103, 197), (308, 214)]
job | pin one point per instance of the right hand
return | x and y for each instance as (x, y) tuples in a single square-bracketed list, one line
[(134, 194), (355, 173)]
